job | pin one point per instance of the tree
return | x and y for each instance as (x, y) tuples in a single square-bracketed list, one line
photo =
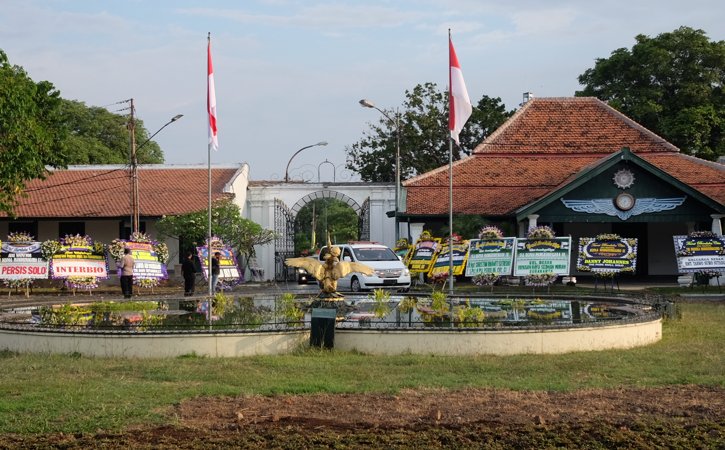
[(97, 136), (239, 233), (326, 214), (672, 84), (32, 134), (423, 135)]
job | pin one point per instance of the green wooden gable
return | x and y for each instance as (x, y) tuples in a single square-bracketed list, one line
[(652, 196)]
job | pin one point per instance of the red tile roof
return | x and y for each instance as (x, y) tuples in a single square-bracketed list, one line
[(104, 191), (571, 125), (540, 148)]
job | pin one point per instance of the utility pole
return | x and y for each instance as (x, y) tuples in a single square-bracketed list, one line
[(134, 173)]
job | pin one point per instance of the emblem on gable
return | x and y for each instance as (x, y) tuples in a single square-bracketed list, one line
[(610, 208), (623, 178)]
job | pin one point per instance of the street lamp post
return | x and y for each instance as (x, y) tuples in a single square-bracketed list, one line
[(368, 104), (286, 171), (134, 172)]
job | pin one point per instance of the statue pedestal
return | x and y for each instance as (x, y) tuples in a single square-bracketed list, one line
[(322, 327)]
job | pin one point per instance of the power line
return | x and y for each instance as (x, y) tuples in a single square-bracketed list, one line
[(80, 180)]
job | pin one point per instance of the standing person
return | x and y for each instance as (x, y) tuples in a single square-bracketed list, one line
[(215, 270), (127, 263), (189, 272)]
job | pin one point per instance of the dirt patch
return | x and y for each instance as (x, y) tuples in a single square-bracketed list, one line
[(670, 417)]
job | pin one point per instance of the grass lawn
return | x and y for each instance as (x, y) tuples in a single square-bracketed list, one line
[(69, 393)]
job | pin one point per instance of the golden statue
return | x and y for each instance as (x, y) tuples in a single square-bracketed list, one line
[(330, 271)]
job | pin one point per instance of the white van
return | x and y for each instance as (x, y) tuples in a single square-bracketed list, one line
[(390, 272)]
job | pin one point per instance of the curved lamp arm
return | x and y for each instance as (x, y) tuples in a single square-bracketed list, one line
[(286, 170), (173, 119)]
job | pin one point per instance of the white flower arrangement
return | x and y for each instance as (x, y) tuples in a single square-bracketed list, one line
[(608, 237), (162, 251), (701, 234), (544, 279), (49, 248), (490, 232), (605, 274), (146, 282), (18, 283), (115, 248), (540, 232), (87, 283), (708, 273), (20, 237), (138, 236), (76, 240), (486, 279)]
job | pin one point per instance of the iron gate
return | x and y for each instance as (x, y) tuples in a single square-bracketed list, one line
[(284, 244), (363, 222)]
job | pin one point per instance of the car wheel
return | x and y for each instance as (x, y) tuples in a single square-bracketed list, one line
[(355, 285)]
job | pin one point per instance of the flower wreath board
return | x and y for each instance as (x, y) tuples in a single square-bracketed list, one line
[(700, 251), (490, 256), (22, 260), (75, 259), (229, 272), (542, 256), (146, 264), (611, 254), (421, 256), (441, 262)]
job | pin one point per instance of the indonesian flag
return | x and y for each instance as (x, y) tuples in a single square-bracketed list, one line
[(460, 105), (211, 101)]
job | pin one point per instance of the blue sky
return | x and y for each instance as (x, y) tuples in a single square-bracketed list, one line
[(290, 73)]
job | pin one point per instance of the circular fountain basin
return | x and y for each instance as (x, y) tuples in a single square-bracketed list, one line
[(507, 328)]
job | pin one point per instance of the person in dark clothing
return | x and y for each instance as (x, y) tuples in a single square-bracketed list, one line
[(188, 269), (126, 269), (215, 270)]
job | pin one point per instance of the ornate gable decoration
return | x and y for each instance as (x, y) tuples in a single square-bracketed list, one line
[(609, 207), (623, 179)]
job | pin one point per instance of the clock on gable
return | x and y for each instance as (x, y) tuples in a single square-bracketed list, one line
[(624, 201)]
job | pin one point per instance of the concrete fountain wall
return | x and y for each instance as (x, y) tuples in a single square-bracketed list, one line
[(461, 341), (454, 341), (152, 345)]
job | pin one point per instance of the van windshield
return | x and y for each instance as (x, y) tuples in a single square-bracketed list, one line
[(375, 254)]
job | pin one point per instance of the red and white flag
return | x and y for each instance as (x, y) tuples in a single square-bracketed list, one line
[(460, 105), (211, 101)]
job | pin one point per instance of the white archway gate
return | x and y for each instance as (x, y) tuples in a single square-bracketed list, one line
[(275, 205)]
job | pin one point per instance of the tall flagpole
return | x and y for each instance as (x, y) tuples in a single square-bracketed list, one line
[(459, 110), (450, 215), (209, 100), (450, 184)]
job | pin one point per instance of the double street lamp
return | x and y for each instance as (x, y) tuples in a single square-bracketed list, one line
[(286, 171), (368, 104)]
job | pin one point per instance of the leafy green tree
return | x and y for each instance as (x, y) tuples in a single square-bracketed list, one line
[(32, 133), (468, 226), (97, 136), (239, 233), (671, 84), (423, 135), (325, 214)]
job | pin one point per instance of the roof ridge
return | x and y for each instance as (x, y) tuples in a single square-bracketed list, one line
[(437, 170), (504, 126), (632, 123)]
